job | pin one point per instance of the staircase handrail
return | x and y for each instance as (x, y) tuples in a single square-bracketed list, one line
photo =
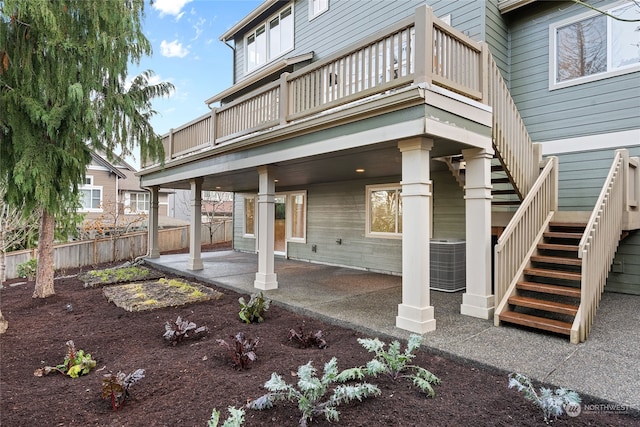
[(511, 140), (520, 234), (599, 243)]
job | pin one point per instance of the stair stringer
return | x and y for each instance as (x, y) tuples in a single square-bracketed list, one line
[(511, 290)]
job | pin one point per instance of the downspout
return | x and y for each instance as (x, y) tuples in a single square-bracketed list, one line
[(233, 74)]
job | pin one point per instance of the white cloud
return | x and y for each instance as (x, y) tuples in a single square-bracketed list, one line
[(198, 28), (169, 7), (172, 49)]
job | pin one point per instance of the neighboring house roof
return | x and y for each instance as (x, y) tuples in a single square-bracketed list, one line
[(98, 159)]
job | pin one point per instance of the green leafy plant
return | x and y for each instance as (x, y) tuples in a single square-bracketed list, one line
[(115, 387), (241, 350), (76, 363), (396, 363), (317, 396), (253, 311), (236, 418), (553, 403), (307, 339), (28, 269), (182, 329)]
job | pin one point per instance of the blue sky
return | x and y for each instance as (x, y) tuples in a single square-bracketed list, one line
[(186, 52)]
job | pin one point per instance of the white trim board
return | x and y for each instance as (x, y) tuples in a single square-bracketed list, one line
[(592, 142)]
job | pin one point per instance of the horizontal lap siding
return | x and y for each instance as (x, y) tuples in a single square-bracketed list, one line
[(602, 106), (448, 207)]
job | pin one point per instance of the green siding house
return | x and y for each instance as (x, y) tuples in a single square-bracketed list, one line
[(485, 146)]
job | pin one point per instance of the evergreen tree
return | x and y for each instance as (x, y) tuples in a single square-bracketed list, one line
[(63, 93)]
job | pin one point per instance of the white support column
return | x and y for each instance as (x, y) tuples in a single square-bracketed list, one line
[(414, 313), (152, 225), (195, 230), (478, 301), (265, 277)]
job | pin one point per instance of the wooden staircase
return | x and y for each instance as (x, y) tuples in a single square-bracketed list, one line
[(548, 295)]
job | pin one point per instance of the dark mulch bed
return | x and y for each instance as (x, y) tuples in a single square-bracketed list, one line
[(183, 383)]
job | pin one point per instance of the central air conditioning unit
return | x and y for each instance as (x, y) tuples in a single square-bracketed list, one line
[(448, 265)]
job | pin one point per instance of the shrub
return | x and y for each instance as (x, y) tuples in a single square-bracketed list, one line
[(316, 396), (75, 363), (396, 364), (236, 418), (28, 269), (116, 387), (553, 403), (306, 340), (253, 311), (241, 350), (183, 329)]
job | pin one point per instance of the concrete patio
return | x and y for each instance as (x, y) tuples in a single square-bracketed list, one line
[(606, 366)]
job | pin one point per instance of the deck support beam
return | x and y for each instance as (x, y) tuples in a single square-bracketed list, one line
[(478, 300), (266, 277), (152, 225), (195, 231), (415, 313)]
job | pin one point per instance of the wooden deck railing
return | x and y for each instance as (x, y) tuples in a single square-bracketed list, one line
[(418, 49), (522, 233), (599, 244), (510, 137)]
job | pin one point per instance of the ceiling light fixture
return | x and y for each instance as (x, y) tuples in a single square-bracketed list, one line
[(360, 170)]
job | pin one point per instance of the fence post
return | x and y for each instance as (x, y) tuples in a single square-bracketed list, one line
[(212, 129), (484, 72), (424, 45), (170, 145), (284, 98)]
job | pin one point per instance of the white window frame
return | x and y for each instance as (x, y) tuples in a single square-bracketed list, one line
[(245, 234), (376, 234), (264, 25), (317, 8), (88, 185), (289, 196), (130, 210), (610, 72)]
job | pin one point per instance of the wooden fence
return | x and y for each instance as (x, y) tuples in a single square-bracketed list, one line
[(125, 247)]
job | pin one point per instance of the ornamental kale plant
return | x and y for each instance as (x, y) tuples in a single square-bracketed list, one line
[(307, 339), (253, 311), (183, 329), (396, 364), (241, 350), (116, 387), (75, 363), (316, 396), (236, 418), (553, 403)]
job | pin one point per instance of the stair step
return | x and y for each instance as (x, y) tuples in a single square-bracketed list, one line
[(506, 202), (549, 289), (496, 192), (555, 224), (497, 168), (545, 305), (556, 260), (500, 181), (536, 322), (554, 274), (558, 247), (562, 235)]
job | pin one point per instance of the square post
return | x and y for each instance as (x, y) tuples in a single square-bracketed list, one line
[(415, 313), (152, 225), (195, 230), (265, 277), (478, 300)]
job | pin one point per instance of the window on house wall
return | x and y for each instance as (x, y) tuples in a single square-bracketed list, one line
[(139, 203), (317, 8), (270, 39), (91, 196), (297, 206), (249, 216), (384, 211), (594, 46)]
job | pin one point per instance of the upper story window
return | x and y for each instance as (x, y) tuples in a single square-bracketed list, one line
[(270, 39), (317, 8), (91, 196), (384, 211), (594, 46)]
